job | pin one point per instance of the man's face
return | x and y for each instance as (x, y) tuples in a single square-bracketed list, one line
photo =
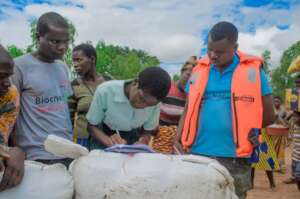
[(221, 52), (139, 98), (277, 102), (6, 70), (54, 43), (297, 81)]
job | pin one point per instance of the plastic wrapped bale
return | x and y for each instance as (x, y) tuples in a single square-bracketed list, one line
[(149, 176), (107, 175), (42, 181)]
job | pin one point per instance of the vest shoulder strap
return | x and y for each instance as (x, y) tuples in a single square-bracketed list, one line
[(248, 59)]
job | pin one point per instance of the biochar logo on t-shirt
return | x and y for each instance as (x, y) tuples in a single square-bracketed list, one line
[(48, 100)]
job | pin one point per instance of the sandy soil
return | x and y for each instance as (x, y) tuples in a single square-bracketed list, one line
[(282, 191)]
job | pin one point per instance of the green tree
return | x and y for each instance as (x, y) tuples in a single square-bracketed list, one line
[(266, 55), (280, 80), (176, 77), (14, 51), (122, 62)]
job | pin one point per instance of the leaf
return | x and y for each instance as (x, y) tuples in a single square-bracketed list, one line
[(280, 80)]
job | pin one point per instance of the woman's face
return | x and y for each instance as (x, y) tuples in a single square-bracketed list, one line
[(186, 72), (139, 98), (82, 63)]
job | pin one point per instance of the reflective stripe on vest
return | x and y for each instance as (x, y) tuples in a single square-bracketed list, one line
[(246, 102)]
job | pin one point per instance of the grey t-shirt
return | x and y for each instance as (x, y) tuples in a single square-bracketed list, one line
[(44, 89)]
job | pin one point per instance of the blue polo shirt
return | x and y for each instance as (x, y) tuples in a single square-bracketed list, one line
[(215, 132)]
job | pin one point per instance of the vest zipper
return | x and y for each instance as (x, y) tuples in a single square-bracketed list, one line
[(236, 121)]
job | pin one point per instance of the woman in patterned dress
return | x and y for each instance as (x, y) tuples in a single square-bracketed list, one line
[(267, 159)]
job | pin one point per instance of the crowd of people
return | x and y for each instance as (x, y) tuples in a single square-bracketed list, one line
[(220, 107)]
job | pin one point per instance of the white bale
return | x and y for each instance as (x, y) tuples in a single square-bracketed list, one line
[(107, 175), (64, 148), (150, 176), (42, 181)]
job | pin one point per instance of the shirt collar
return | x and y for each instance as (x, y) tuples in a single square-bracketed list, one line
[(119, 94), (232, 66)]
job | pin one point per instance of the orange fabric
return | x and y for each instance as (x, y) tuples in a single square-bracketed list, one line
[(8, 119), (246, 100)]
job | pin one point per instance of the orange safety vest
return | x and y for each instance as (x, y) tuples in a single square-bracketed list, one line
[(246, 102)]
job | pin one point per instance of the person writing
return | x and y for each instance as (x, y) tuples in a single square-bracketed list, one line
[(127, 112)]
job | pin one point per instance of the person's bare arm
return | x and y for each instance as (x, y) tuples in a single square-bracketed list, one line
[(268, 110)]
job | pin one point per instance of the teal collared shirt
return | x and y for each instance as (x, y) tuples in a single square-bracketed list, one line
[(112, 107)]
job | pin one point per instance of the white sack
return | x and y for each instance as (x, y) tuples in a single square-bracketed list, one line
[(64, 148), (42, 181), (105, 175), (150, 176)]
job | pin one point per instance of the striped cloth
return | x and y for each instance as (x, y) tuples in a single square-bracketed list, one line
[(172, 106), (295, 133), (9, 110), (267, 156)]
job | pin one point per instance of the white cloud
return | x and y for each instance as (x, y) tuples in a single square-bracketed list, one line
[(262, 40), (170, 30), (167, 29), (267, 35), (270, 37), (15, 29)]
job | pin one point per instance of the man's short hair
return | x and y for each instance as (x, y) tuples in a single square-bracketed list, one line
[(156, 81), (277, 97), (5, 57), (87, 49), (224, 30), (50, 19)]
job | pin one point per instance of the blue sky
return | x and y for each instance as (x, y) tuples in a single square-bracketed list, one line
[(172, 30)]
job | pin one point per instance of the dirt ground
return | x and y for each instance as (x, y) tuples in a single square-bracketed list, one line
[(282, 191)]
